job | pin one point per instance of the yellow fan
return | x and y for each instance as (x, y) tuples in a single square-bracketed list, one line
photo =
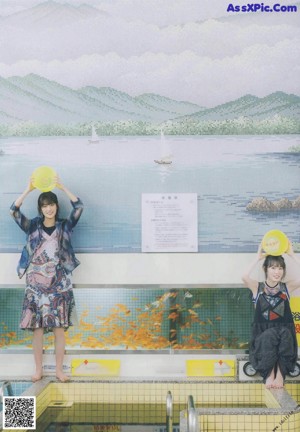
[(275, 243), (43, 178)]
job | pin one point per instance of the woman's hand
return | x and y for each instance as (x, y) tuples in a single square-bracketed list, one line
[(293, 284), (260, 252), (247, 279), (62, 187), (58, 183), (30, 187), (290, 250)]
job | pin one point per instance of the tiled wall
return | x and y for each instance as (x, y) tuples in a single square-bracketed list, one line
[(294, 390), (261, 423), (219, 394)]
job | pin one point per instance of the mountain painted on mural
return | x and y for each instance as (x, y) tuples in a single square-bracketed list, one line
[(278, 103), (39, 100), (34, 98), (51, 14)]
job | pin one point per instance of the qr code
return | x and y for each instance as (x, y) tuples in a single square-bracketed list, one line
[(19, 412)]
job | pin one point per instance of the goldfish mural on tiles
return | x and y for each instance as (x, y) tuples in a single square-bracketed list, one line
[(153, 320)]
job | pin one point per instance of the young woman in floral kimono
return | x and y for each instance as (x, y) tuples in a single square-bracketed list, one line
[(48, 260)]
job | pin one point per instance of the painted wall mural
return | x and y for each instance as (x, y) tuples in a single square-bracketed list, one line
[(104, 90)]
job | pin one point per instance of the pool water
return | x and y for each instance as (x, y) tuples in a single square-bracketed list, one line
[(18, 387), (108, 417), (111, 417)]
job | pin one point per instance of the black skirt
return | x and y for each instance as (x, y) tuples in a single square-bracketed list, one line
[(273, 345)]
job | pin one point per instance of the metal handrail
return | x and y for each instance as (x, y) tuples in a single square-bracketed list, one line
[(192, 418), (3, 386), (169, 412)]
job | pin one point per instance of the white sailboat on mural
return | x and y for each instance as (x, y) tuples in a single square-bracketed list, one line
[(94, 138), (166, 155)]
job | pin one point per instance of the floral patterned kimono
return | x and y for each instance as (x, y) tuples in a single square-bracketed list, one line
[(49, 300)]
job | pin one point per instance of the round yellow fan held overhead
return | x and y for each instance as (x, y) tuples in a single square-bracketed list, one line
[(275, 242), (43, 178)]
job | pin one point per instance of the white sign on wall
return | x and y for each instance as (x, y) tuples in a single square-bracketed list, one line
[(169, 222)]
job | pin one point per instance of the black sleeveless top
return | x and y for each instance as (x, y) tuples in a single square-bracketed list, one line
[(273, 308)]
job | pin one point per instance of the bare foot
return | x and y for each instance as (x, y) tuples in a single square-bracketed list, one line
[(270, 380), (278, 381), (61, 376), (37, 376)]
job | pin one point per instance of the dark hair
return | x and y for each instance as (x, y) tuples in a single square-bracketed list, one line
[(47, 198), (277, 261)]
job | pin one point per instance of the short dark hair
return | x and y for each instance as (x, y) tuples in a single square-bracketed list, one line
[(277, 261), (47, 198)]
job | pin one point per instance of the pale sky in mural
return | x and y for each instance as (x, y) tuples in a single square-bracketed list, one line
[(192, 50)]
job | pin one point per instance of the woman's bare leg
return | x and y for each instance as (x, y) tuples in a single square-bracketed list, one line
[(60, 343), (37, 345)]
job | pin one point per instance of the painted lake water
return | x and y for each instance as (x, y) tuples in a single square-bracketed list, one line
[(226, 172)]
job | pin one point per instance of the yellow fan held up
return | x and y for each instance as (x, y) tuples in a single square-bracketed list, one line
[(44, 178), (275, 243)]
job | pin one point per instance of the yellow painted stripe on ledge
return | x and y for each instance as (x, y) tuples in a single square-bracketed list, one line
[(94, 367), (210, 368)]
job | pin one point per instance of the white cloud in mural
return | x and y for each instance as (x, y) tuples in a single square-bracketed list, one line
[(257, 70), (122, 51), (166, 12), (8, 7), (151, 11), (210, 38)]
